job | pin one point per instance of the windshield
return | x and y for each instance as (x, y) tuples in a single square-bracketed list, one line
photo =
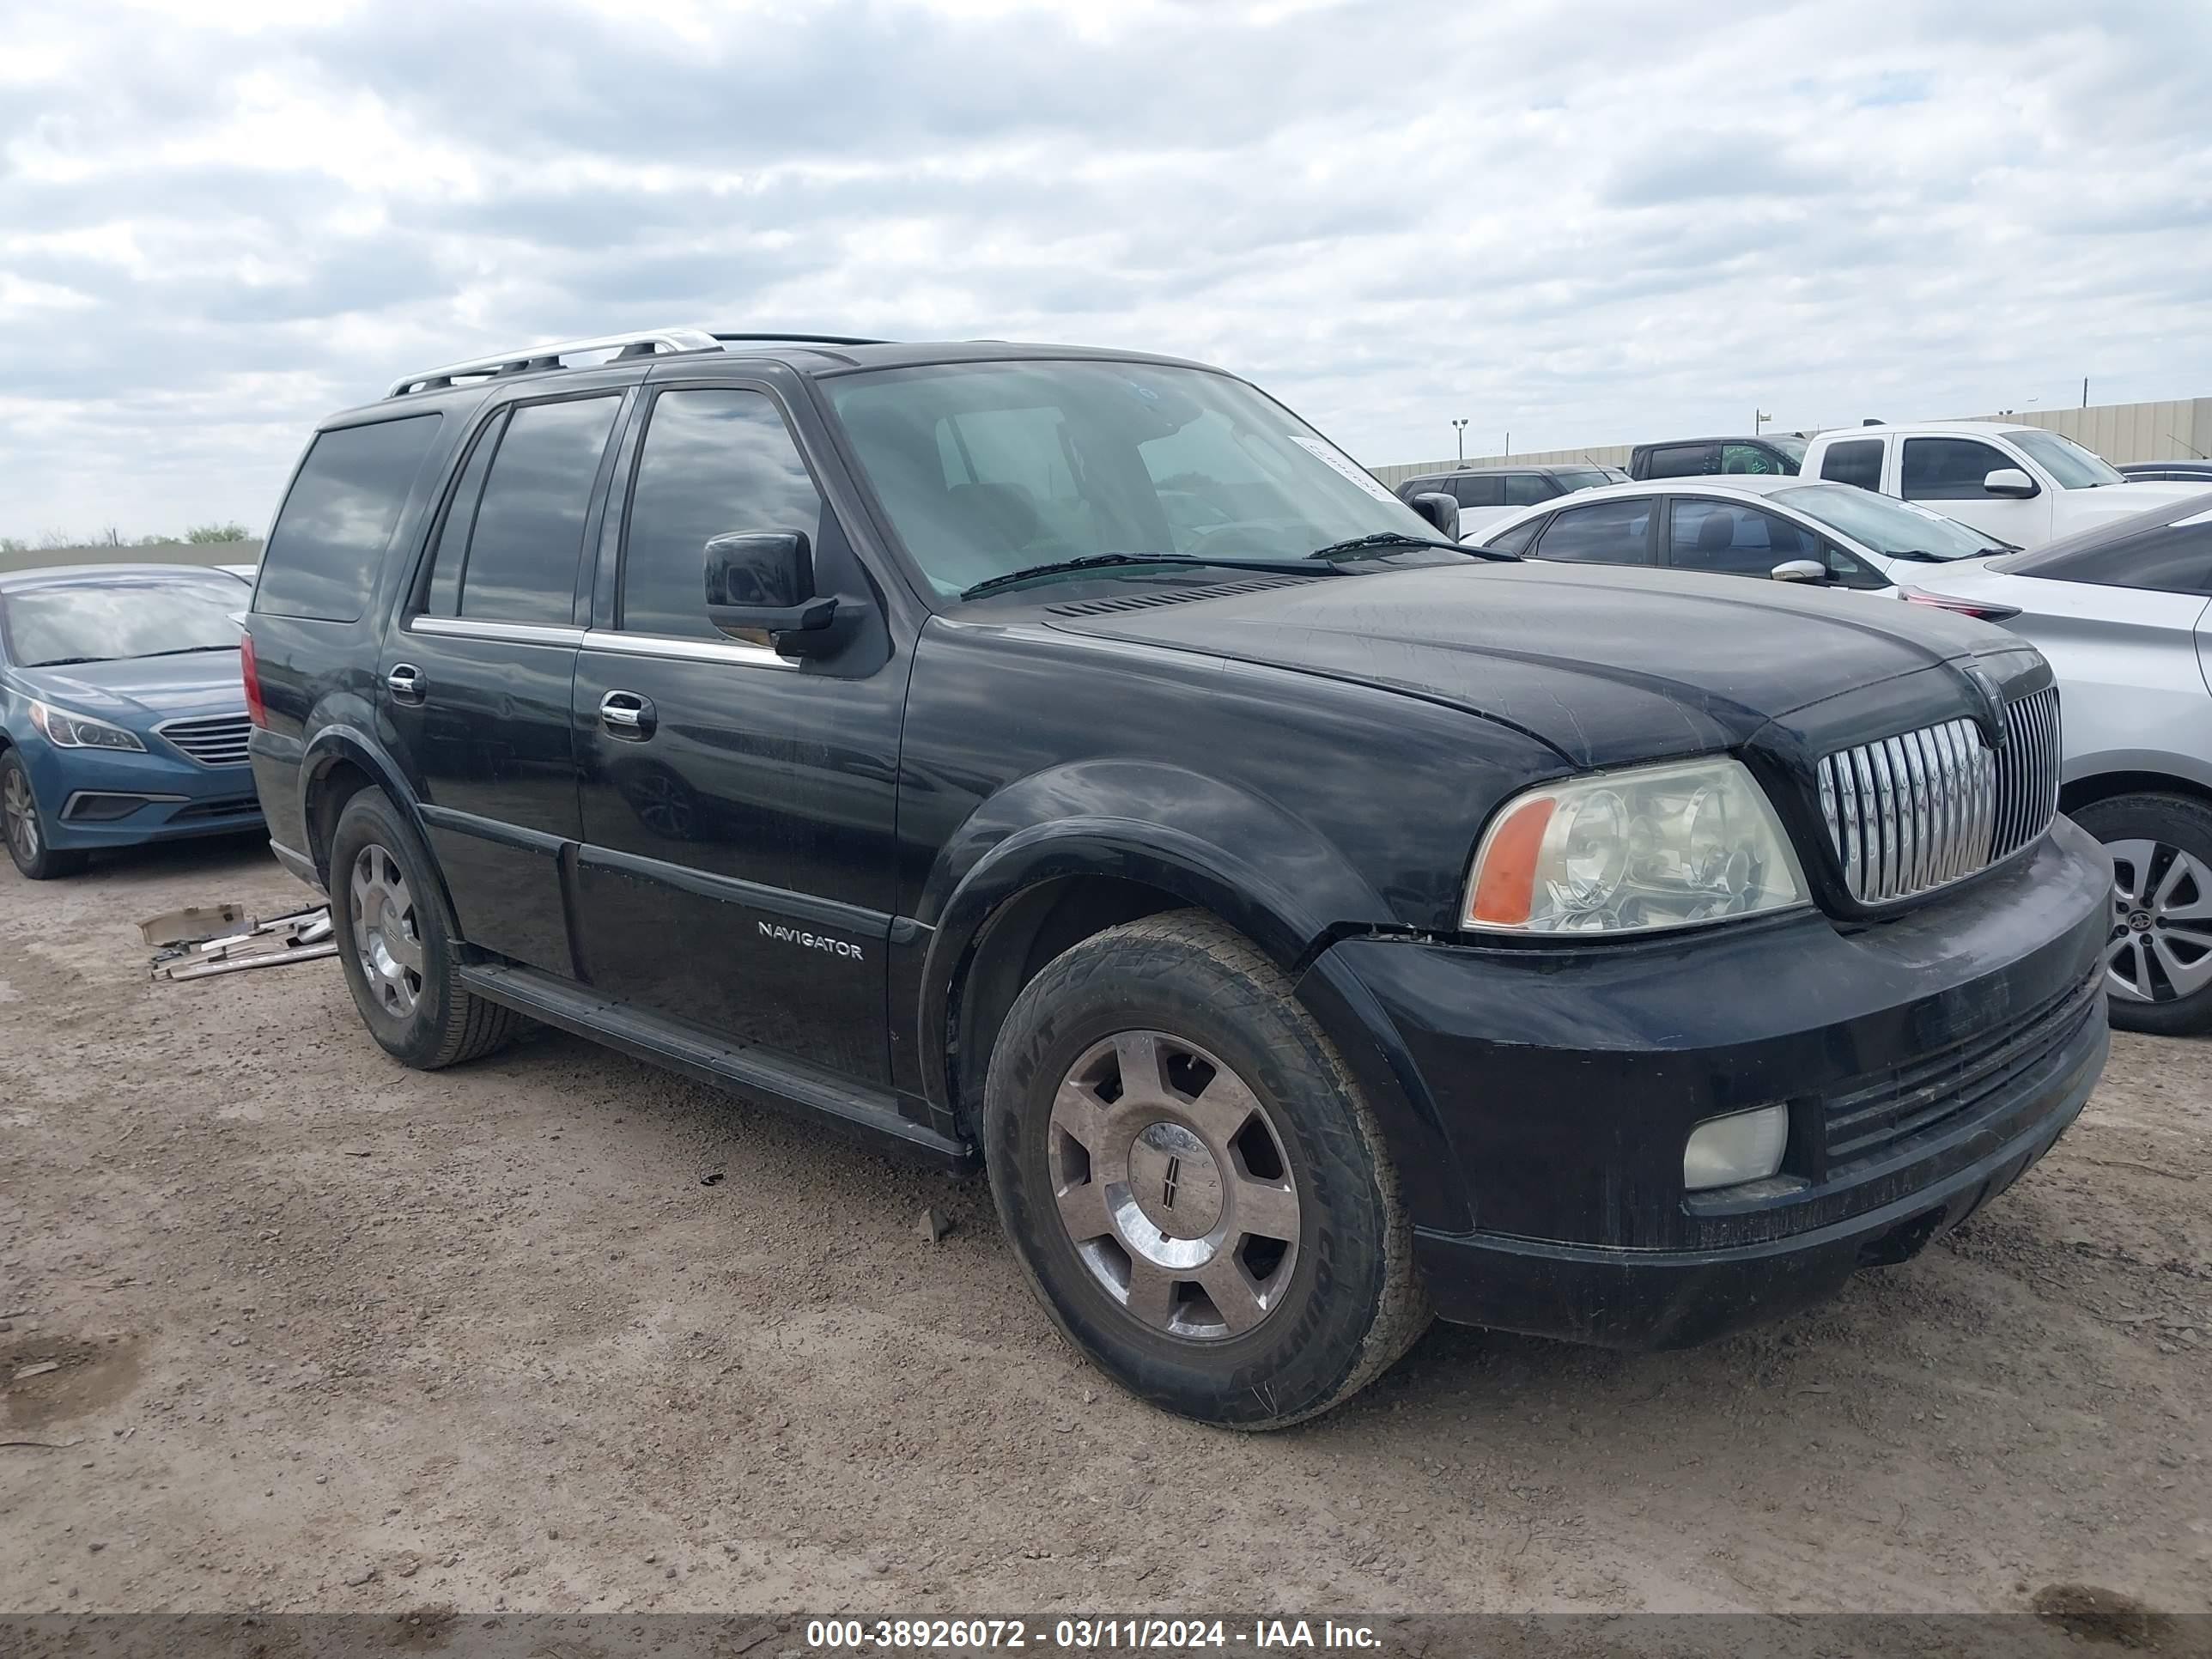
[(1881, 525), (2073, 466), (99, 621), (1793, 448), (1571, 478), (989, 468)]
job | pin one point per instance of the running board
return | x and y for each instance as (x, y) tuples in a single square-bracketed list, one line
[(871, 1114)]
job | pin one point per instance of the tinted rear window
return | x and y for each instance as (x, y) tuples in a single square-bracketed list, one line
[(2168, 558), (1857, 463), (329, 539)]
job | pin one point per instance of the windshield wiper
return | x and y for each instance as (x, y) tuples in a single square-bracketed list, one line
[(1103, 561), (65, 662), (187, 650), (1399, 538)]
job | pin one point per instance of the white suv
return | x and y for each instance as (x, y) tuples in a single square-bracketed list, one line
[(2019, 484)]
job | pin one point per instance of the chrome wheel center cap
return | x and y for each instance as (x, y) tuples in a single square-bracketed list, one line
[(2139, 921), (1174, 1181)]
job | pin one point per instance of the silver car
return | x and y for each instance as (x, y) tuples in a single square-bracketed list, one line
[(2124, 613)]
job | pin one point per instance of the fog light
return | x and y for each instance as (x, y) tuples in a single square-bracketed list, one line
[(1743, 1146)]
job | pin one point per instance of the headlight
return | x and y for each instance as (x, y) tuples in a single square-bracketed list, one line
[(1621, 852), (66, 731)]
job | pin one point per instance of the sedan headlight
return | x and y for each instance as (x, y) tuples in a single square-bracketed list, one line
[(67, 731), (1625, 852)]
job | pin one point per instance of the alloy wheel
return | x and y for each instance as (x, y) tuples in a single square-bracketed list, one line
[(2161, 948), (1171, 1180), (386, 938), (22, 816)]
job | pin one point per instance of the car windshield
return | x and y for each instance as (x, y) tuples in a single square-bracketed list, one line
[(1571, 478), (1793, 448), (1897, 530), (2073, 466), (101, 620), (989, 468)]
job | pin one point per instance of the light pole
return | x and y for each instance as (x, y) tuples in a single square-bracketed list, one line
[(1759, 417), (1459, 436)]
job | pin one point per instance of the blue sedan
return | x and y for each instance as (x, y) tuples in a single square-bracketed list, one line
[(122, 712)]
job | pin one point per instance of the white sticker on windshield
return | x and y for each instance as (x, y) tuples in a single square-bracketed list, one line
[(1344, 464)]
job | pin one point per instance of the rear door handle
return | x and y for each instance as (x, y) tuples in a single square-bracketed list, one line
[(627, 714), (405, 682)]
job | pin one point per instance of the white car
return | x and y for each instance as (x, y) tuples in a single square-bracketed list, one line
[(2015, 483), (1753, 525)]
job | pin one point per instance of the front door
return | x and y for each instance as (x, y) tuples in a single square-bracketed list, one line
[(475, 684), (1947, 475), (737, 805)]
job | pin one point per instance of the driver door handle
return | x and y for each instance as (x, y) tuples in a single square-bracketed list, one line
[(626, 713)]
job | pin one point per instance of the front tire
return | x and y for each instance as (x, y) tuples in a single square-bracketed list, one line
[(24, 828), (1199, 1195), (397, 940), (2159, 959)]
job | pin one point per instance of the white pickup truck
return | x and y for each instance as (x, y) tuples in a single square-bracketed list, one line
[(2020, 484)]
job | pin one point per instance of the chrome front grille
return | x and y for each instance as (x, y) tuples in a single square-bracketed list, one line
[(211, 739), (1916, 812)]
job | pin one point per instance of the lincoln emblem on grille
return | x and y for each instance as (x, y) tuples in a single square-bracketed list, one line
[(1993, 715)]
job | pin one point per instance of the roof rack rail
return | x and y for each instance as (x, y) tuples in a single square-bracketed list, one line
[(646, 343), (801, 339)]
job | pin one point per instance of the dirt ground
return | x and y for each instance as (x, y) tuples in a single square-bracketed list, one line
[(334, 1335)]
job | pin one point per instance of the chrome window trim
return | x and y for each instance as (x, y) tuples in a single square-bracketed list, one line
[(613, 642), (469, 627)]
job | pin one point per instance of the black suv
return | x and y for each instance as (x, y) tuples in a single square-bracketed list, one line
[(1510, 486), (1072, 762)]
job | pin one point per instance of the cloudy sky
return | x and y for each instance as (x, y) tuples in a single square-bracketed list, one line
[(1575, 222)]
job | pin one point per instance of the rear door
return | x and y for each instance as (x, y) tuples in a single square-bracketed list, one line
[(475, 682), (737, 872)]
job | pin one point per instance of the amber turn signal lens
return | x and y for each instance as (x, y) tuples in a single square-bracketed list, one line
[(1506, 887)]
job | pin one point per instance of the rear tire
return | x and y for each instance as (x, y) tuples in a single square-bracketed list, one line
[(2159, 959), (398, 942), (24, 828), (1201, 1197)]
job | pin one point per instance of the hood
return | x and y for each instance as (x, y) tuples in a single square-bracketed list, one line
[(138, 692), (2079, 508), (1609, 665)]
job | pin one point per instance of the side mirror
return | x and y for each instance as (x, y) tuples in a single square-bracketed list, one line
[(2008, 481), (1440, 510), (763, 582), (1800, 570)]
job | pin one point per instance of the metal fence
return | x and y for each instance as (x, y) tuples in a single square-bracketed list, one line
[(2179, 429)]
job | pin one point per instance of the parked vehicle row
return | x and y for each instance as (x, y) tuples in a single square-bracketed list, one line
[(1072, 762)]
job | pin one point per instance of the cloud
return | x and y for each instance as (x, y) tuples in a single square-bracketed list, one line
[(1568, 220)]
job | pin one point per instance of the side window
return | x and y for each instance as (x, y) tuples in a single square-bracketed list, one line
[(1685, 461), (714, 461), (520, 563), (1517, 540), (1605, 532), (2174, 558), (1526, 488), (1857, 462), (445, 598), (1735, 540), (1847, 570), (1948, 469), (1749, 457), (329, 538), (1475, 489)]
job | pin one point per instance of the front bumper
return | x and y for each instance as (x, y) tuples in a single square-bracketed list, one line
[(92, 799), (1925, 1062)]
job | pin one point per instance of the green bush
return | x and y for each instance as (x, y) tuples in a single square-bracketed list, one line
[(200, 535)]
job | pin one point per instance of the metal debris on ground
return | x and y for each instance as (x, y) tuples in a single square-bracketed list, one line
[(192, 924), (302, 936)]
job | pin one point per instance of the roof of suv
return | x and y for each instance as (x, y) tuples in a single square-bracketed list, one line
[(812, 355), (1547, 468), (1724, 438)]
